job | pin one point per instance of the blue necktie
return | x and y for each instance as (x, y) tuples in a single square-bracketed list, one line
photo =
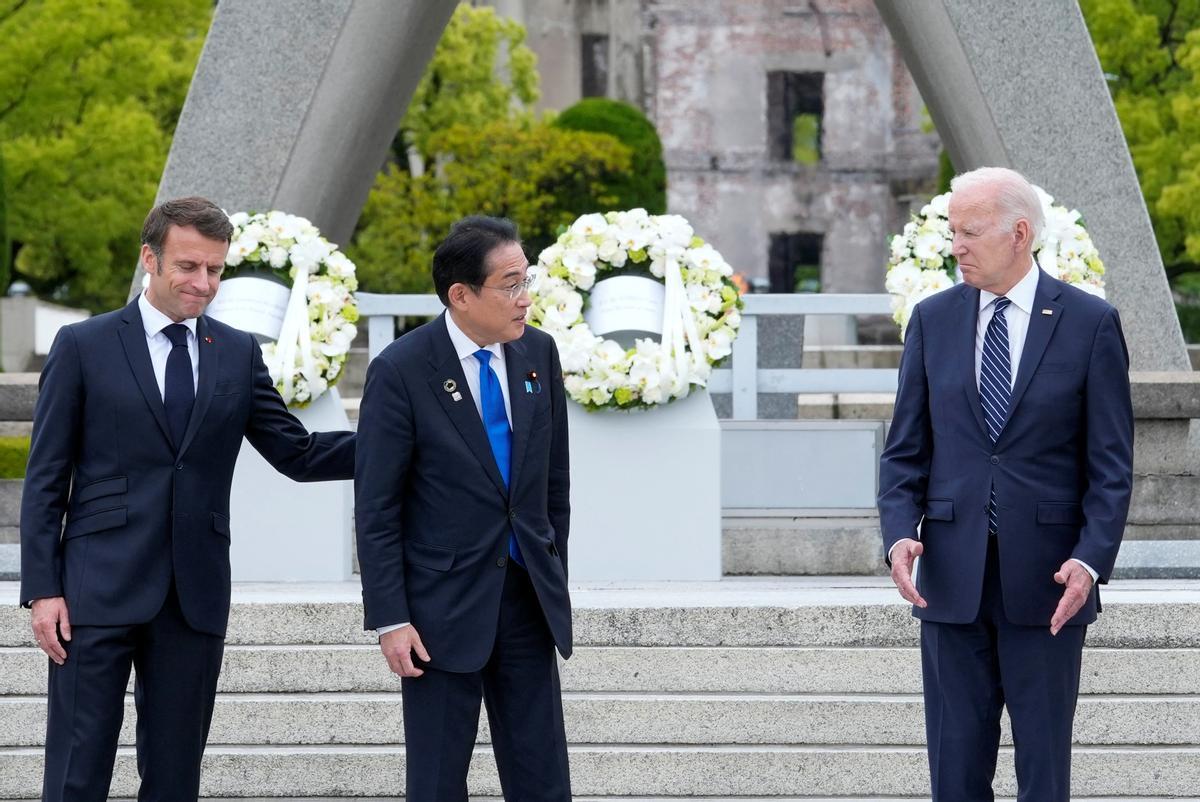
[(179, 388), (995, 384), (495, 421)]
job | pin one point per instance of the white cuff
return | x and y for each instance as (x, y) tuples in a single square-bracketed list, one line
[(1090, 570), (385, 630), (897, 543)]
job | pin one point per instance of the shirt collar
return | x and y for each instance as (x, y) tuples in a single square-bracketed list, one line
[(1021, 294), (464, 346), (155, 321)]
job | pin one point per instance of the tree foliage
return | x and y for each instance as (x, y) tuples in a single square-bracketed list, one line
[(461, 85), (89, 96), (646, 185), (531, 174), (1150, 49)]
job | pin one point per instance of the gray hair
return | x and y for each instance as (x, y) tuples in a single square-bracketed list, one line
[(1012, 193)]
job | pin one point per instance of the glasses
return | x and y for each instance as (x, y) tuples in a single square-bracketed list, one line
[(515, 290)]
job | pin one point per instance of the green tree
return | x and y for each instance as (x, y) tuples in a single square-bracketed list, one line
[(89, 96), (482, 70), (1150, 49), (503, 169), (646, 184)]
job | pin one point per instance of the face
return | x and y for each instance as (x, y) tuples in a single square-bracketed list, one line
[(990, 255), (187, 280), (487, 314)]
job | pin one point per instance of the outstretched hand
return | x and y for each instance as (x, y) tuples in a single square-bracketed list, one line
[(904, 554), (1078, 584), (398, 647)]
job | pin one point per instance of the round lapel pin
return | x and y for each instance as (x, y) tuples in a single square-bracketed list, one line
[(449, 385)]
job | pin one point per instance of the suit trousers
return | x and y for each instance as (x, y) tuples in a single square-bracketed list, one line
[(972, 671), (174, 689), (520, 686)]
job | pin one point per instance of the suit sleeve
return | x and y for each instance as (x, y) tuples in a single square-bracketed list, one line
[(57, 423), (386, 429), (559, 495), (904, 466), (284, 442), (1109, 449)]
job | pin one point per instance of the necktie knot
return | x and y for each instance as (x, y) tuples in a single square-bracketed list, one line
[(484, 356), (1002, 303), (177, 334)]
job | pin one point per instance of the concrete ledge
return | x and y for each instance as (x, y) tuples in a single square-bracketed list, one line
[(1165, 394), (18, 394)]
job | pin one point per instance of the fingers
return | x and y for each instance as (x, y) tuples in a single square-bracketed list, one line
[(398, 647), (1078, 584), (419, 647), (48, 616), (64, 623), (902, 561)]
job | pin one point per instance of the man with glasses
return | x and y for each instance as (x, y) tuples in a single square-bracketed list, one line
[(462, 511)]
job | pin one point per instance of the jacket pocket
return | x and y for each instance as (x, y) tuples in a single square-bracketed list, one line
[(96, 522), (1067, 513), (939, 509), (101, 488), (227, 388), (221, 524), (426, 555)]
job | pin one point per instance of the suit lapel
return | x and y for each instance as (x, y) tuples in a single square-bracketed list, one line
[(964, 340), (522, 403), (446, 366), (1041, 327), (133, 340), (207, 380)]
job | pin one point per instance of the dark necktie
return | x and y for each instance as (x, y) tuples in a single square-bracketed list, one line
[(179, 388), (995, 384), (495, 421)]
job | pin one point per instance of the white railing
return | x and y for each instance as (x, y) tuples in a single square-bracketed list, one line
[(744, 380)]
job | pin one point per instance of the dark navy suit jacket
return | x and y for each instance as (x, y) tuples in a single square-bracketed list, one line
[(432, 513), (140, 511), (1062, 466)]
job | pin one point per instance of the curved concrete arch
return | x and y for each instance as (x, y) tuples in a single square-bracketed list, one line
[(1019, 85)]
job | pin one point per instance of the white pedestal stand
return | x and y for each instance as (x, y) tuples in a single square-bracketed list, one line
[(285, 531), (646, 493)]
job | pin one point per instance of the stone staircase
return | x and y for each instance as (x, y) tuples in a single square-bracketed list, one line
[(804, 688)]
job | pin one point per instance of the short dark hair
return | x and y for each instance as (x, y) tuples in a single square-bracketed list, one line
[(461, 258), (200, 213)]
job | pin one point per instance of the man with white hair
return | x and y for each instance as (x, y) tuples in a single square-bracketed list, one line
[(1007, 471)]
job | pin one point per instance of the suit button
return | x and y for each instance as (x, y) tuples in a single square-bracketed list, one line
[(512, 515), (995, 460), (179, 467), (500, 562)]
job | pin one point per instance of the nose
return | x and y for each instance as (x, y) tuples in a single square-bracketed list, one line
[(523, 300), (956, 245)]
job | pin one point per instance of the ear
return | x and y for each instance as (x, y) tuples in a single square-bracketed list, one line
[(457, 295), (149, 262), (1023, 235)]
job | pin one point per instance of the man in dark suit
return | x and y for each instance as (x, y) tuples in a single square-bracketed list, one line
[(462, 510), (1008, 471), (138, 424)]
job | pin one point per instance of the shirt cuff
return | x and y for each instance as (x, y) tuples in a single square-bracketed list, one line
[(390, 627), (1090, 570), (897, 543)]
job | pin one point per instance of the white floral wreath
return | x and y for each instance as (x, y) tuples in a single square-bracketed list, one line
[(701, 316), (921, 264), (308, 357)]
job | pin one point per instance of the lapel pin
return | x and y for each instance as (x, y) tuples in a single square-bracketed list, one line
[(449, 385), (532, 385), (1047, 311), (208, 340), (456, 396)]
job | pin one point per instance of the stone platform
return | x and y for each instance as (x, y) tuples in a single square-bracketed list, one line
[(780, 689)]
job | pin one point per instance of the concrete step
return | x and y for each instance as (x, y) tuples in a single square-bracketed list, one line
[(845, 542), (798, 611), (650, 719), (652, 669), (669, 771)]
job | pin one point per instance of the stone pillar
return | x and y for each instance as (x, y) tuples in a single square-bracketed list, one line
[(1019, 85)]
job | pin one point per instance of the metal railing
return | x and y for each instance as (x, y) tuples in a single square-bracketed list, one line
[(744, 380)]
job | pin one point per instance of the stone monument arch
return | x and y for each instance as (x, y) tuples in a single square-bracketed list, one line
[(304, 124)]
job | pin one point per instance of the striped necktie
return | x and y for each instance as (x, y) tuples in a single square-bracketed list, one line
[(995, 384)]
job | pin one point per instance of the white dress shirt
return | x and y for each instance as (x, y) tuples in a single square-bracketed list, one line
[(1016, 315), (160, 345), (465, 347)]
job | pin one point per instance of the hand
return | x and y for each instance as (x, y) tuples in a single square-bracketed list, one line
[(904, 554), (49, 621), (1079, 587), (398, 645)]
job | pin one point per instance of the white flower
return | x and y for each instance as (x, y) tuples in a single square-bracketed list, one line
[(277, 257), (928, 246), (589, 225), (339, 265), (719, 344), (238, 219), (286, 226), (903, 278), (309, 253)]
